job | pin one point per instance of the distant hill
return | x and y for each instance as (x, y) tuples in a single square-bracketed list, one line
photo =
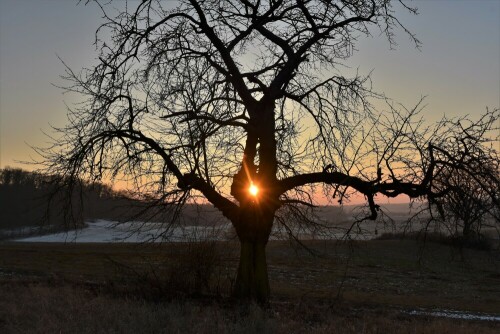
[(31, 199), (35, 199)]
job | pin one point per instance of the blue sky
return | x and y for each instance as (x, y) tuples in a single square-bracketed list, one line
[(457, 68)]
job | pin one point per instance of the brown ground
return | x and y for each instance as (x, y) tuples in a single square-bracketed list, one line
[(358, 287)]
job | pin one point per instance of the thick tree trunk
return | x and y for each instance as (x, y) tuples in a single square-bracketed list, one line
[(252, 281), (253, 229)]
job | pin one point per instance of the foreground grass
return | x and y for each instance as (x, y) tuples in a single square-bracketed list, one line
[(361, 287), (37, 308)]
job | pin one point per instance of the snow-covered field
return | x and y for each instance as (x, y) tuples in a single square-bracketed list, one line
[(208, 224), (110, 231), (136, 232)]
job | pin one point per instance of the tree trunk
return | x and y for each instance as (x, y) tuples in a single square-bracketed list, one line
[(253, 229), (466, 232), (252, 281)]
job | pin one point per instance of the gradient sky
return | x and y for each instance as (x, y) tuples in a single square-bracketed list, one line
[(457, 68)]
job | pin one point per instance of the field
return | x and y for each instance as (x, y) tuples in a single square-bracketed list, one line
[(370, 286)]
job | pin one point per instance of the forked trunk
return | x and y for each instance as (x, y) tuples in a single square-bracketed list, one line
[(257, 209), (252, 281)]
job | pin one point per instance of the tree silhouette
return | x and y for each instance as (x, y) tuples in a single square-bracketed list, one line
[(468, 183), (208, 98)]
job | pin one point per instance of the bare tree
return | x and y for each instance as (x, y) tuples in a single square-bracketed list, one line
[(468, 184), (245, 104), (466, 208)]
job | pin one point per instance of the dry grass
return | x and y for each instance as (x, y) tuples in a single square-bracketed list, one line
[(349, 288), (66, 309)]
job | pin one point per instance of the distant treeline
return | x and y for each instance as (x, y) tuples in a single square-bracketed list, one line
[(32, 199)]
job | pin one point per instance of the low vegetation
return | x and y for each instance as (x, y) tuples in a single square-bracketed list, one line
[(36, 308), (367, 287)]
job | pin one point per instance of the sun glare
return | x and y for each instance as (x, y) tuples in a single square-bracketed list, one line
[(253, 190)]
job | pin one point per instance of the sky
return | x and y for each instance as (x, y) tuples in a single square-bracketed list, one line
[(457, 67)]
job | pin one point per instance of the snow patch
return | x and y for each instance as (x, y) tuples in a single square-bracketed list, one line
[(457, 315)]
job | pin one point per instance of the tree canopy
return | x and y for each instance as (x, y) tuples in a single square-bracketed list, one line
[(206, 98)]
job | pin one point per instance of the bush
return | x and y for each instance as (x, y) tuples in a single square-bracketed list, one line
[(194, 268)]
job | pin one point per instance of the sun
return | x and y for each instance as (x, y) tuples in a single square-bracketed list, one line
[(253, 190)]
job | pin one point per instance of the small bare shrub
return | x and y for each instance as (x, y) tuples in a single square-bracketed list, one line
[(193, 268), (196, 267)]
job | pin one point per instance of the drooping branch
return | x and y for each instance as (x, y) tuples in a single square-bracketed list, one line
[(185, 181), (452, 149)]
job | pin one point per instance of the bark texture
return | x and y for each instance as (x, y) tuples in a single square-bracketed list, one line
[(252, 281)]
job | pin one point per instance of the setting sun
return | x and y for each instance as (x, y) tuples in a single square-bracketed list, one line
[(253, 190)]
